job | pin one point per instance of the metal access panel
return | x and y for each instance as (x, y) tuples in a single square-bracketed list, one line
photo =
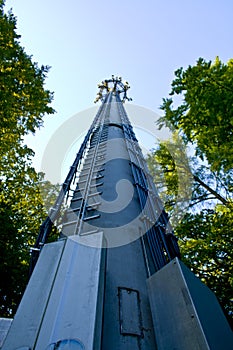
[(186, 314), (130, 314)]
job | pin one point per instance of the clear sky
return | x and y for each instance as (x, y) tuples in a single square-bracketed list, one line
[(143, 41)]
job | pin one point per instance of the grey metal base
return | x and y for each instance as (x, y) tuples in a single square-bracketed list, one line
[(186, 314), (59, 309), (5, 324)]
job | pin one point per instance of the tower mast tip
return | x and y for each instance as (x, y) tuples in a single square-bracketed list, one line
[(113, 84)]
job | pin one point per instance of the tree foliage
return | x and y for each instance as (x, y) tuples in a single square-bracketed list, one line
[(205, 116), (206, 245), (23, 103), (202, 122)]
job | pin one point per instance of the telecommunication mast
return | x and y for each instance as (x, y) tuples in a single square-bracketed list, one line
[(113, 281)]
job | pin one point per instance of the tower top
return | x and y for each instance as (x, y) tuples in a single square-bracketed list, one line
[(114, 84)]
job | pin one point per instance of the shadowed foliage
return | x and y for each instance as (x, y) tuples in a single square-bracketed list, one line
[(199, 112), (23, 103)]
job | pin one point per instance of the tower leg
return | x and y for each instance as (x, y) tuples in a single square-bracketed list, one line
[(62, 305), (186, 314)]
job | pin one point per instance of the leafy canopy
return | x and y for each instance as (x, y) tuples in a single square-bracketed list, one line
[(200, 111), (23, 103), (205, 115)]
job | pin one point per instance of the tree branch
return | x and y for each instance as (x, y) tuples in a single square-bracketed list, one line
[(209, 189)]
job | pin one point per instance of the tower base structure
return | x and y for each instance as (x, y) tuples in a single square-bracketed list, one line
[(57, 315), (61, 307), (5, 324), (186, 314)]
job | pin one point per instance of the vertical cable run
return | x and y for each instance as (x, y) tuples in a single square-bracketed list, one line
[(163, 247)]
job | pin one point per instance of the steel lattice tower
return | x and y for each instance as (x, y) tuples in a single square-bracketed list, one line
[(96, 287)]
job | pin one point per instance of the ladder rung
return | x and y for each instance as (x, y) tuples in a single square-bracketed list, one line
[(91, 217), (97, 177), (94, 171), (82, 181), (76, 199), (89, 159), (102, 164), (97, 185), (92, 186), (96, 165), (87, 163), (71, 210), (79, 190), (69, 223), (84, 168), (93, 206), (94, 194), (94, 178)]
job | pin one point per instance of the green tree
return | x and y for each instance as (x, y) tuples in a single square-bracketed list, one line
[(23, 103), (204, 117), (200, 114), (206, 244)]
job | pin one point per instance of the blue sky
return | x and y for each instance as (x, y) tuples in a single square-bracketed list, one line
[(143, 41)]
